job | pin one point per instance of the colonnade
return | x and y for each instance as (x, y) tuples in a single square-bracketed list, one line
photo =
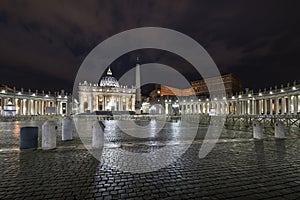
[(28, 103), (272, 102)]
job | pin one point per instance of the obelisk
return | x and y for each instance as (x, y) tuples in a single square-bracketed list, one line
[(138, 98)]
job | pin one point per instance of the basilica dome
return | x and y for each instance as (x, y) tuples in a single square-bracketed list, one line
[(109, 80)]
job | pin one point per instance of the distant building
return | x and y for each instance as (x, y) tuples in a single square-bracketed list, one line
[(233, 85), (170, 97)]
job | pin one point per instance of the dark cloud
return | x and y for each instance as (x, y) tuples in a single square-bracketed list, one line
[(48, 40)]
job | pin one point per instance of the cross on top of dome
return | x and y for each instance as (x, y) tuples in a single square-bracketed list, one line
[(109, 73)]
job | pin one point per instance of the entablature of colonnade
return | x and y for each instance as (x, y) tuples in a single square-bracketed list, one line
[(89, 87), (94, 94), (275, 93)]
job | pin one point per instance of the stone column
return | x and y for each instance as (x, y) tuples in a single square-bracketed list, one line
[(235, 107), (21, 107), (35, 107), (38, 107), (133, 104), (265, 106), (243, 107), (271, 104), (186, 108), (289, 105), (166, 109), (60, 108), (218, 108), (249, 107), (297, 104), (253, 107), (121, 103), (208, 107), (202, 108), (194, 108), (276, 103), (255, 111), (95, 102), (24, 107), (127, 103), (283, 105), (17, 106), (91, 101), (104, 102), (81, 103), (28, 107), (43, 107)]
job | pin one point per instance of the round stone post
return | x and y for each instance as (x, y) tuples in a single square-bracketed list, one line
[(279, 130), (67, 129), (257, 130), (98, 134), (49, 135)]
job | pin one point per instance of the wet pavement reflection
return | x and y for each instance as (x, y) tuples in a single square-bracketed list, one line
[(237, 167), (148, 131)]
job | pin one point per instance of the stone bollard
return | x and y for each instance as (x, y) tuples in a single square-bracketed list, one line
[(67, 129), (279, 130), (49, 129), (29, 137), (98, 134), (257, 130)]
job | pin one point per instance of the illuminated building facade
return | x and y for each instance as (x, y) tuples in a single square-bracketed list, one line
[(107, 95)]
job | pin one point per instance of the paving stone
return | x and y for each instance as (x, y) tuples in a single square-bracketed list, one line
[(232, 170)]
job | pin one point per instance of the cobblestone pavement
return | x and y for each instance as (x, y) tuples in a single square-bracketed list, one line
[(268, 169)]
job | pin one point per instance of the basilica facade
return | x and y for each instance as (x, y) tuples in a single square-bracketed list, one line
[(107, 95)]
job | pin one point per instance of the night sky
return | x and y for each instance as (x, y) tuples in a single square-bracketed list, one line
[(43, 43)]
